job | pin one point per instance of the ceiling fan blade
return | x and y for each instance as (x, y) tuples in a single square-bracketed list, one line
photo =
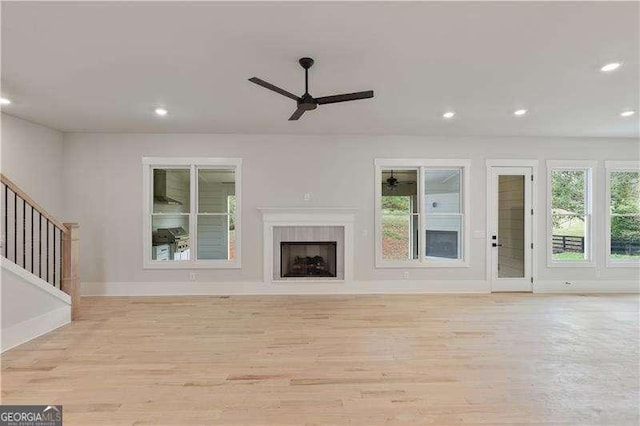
[(297, 114), (345, 97), (276, 89)]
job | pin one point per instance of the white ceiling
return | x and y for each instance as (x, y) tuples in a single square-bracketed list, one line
[(89, 66)]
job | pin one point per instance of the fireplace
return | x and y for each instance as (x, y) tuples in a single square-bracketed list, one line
[(308, 259), (325, 231)]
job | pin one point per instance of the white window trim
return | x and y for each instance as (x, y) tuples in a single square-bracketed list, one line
[(148, 163), (591, 168), (616, 166), (422, 261)]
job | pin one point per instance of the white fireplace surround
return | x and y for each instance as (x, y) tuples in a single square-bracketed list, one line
[(273, 217)]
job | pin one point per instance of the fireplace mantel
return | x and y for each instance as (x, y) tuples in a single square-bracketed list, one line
[(308, 213), (306, 217)]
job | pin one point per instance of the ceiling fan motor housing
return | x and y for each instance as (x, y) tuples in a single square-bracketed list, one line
[(307, 102)]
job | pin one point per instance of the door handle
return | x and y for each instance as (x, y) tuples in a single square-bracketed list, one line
[(496, 245)]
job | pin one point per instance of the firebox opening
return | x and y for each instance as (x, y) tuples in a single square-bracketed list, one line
[(308, 259)]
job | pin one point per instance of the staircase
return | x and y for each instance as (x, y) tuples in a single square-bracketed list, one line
[(40, 268)]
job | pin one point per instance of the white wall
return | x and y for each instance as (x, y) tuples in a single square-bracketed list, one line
[(30, 306), (31, 156), (103, 174)]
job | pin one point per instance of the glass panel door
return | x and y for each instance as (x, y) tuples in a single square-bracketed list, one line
[(510, 211), (511, 226)]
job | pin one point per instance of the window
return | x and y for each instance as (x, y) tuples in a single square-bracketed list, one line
[(400, 215), (570, 212), (623, 221), (420, 213), (191, 212)]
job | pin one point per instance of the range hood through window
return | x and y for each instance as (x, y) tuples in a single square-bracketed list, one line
[(160, 186)]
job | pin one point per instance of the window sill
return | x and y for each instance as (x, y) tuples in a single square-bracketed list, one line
[(422, 264), (186, 264), (623, 264), (571, 264)]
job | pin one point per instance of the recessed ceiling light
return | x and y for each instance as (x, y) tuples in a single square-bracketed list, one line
[(448, 114), (628, 113), (161, 112), (520, 112), (4, 101), (611, 67)]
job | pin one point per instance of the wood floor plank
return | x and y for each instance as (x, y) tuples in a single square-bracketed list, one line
[(312, 360)]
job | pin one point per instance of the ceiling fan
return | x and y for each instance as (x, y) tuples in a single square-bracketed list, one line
[(307, 102), (392, 182)]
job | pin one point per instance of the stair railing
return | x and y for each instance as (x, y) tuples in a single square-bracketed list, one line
[(39, 243)]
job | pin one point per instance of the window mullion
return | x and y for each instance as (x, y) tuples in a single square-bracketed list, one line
[(228, 232), (588, 187), (193, 213), (587, 237), (463, 229), (587, 208), (422, 222)]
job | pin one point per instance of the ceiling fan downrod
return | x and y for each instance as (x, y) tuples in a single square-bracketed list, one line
[(306, 63)]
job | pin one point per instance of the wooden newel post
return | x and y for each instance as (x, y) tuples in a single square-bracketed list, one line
[(70, 283)]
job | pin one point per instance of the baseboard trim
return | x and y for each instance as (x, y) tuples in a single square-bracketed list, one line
[(24, 331), (586, 286), (226, 288), (260, 288)]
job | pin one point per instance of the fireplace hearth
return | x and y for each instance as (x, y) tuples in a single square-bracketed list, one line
[(308, 259)]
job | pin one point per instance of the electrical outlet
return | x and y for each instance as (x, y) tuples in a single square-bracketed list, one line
[(306, 197), (405, 274), (192, 276)]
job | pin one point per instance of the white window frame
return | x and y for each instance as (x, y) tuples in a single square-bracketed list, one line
[(590, 168), (421, 165), (193, 164), (616, 166)]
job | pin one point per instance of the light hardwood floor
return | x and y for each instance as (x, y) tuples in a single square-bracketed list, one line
[(367, 360)]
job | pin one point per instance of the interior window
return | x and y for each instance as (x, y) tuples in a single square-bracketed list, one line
[(443, 214), (400, 214), (420, 213), (170, 217), (216, 229), (192, 213)]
